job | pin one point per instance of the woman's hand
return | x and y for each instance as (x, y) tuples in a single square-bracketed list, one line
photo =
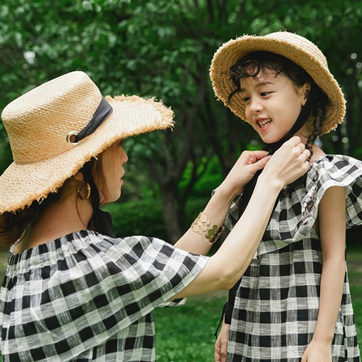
[(218, 206), (243, 171), (223, 270), (317, 352), (288, 163), (221, 343)]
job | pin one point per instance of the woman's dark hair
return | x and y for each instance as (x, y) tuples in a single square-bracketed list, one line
[(254, 63), (12, 225)]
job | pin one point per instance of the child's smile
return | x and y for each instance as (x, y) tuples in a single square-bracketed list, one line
[(263, 123), (273, 104)]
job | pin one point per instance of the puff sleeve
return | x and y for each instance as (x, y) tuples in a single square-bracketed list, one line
[(70, 295), (297, 210)]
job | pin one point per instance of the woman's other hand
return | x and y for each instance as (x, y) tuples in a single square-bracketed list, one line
[(243, 171), (287, 164)]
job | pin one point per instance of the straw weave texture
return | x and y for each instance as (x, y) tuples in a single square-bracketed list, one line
[(292, 46), (38, 122)]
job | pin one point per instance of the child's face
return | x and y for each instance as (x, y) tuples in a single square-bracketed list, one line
[(273, 104)]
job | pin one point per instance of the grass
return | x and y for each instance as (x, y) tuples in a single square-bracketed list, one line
[(186, 334), (354, 259)]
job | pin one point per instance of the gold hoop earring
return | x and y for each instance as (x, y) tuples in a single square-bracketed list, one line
[(86, 197)]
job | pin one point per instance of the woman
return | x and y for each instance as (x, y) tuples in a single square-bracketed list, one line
[(73, 291)]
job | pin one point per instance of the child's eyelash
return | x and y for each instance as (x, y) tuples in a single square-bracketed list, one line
[(263, 94)]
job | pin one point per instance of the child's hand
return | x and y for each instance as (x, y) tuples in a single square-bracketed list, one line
[(288, 163), (243, 171), (221, 343), (318, 352)]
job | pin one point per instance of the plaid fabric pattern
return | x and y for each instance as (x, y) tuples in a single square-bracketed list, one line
[(276, 305), (87, 297)]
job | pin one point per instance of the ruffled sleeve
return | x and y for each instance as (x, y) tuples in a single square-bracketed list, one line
[(85, 287), (143, 273), (296, 212)]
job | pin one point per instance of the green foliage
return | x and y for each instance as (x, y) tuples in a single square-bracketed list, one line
[(210, 176), (356, 292), (354, 258), (138, 217), (144, 216), (163, 48), (186, 333), (5, 155), (135, 215)]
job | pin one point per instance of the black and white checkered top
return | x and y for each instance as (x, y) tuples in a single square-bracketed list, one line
[(87, 297), (276, 305)]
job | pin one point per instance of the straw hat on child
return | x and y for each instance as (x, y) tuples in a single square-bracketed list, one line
[(292, 46), (41, 126)]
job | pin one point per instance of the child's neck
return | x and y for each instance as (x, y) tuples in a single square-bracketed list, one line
[(303, 133), (317, 152)]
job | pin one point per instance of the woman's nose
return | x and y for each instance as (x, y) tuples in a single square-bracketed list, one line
[(124, 156)]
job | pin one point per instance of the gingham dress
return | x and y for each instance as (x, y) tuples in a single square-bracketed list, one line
[(87, 297), (276, 305)]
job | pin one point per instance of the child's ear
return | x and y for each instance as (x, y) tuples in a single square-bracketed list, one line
[(305, 91)]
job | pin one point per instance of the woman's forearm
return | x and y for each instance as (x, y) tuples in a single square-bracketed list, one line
[(244, 239), (216, 211), (241, 173), (226, 267)]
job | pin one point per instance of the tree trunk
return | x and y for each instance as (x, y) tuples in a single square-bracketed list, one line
[(170, 214)]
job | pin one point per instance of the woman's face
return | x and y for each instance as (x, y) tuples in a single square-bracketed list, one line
[(113, 159), (272, 104)]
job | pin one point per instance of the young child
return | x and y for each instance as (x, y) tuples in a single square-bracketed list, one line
[(293, 302)]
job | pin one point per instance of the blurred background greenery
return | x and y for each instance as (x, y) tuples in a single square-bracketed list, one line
[(163, 49)]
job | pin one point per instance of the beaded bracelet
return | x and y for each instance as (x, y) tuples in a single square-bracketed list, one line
[(201, 225)]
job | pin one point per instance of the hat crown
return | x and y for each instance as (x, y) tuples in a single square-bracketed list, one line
[(300, 42), (38, 122), (296, 48)]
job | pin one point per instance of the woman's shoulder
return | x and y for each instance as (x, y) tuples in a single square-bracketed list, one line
[(79, 242)]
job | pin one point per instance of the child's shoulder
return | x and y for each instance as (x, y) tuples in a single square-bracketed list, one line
[(327, 170)]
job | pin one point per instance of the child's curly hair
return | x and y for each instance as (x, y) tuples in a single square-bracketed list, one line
[(254, 63)]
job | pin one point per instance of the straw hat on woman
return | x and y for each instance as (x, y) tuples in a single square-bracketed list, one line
[(72, 290)]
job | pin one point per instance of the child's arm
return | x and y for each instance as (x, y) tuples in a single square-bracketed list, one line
[(332, 223), (221, 344)]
